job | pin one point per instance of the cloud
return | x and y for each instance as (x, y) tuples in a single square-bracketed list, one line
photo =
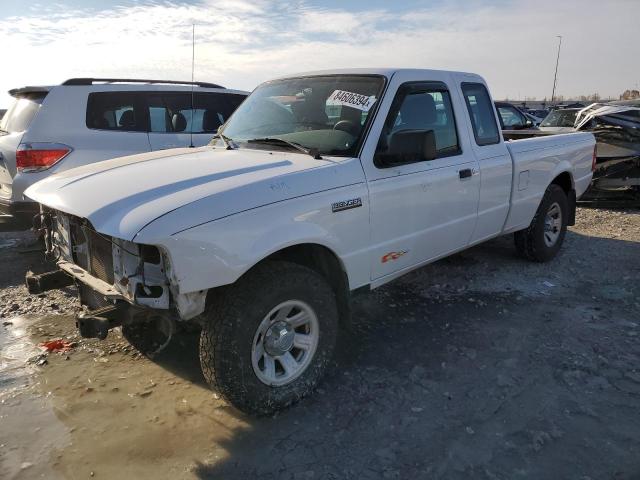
[(240, 43)]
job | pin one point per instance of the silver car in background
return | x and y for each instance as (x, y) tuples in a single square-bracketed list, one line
[(86, 120)]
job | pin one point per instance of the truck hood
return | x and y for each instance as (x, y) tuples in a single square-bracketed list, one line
[(121, 196)]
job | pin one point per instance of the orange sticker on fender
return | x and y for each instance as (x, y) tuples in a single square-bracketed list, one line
[(392, 256)]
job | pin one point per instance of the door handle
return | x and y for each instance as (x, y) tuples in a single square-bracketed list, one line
[(465, 173)]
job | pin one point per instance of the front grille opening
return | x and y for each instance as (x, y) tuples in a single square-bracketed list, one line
[(90, 250)]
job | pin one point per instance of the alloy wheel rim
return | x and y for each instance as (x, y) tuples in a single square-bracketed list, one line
[(285, 342), (552, 225)]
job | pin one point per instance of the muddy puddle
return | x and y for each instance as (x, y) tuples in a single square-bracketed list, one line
[(29, 428), (102, 411)]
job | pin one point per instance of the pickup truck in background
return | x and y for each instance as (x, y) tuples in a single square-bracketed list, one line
[(319, 185)]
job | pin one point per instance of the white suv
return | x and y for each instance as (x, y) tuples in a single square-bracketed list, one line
[(85, 120)]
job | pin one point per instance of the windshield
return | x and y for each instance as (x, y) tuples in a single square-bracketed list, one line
[(560, 118), (326, 113)]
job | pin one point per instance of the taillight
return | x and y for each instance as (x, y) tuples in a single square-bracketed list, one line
[(595, 156), (34, 157)]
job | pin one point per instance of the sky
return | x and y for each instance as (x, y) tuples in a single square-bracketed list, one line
[(241, 43)]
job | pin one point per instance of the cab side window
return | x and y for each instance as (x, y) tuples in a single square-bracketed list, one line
[(420, 126), (481, 114)]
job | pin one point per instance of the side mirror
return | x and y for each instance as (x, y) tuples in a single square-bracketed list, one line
[(528, 123), (407, 146)]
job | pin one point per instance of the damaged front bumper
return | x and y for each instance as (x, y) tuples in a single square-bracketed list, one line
[(110, 274)]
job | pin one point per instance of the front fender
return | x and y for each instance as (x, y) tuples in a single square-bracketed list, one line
[(219, 252)]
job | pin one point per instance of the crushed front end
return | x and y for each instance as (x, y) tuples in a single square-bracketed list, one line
[(119, 282)]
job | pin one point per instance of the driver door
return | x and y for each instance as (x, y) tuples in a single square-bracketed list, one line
[(422, 209)]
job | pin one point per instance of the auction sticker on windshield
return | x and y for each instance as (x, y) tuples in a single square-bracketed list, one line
[(350, 99)]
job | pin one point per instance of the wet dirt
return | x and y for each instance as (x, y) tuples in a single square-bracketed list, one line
[(480, 366)]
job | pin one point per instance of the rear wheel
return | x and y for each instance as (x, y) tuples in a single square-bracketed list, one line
[(268, 338), (541, 241)]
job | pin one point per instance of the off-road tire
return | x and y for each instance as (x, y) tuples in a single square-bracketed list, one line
[(530, 242), (232, 318)]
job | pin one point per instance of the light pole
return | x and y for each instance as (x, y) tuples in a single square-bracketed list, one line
[(555, 76)]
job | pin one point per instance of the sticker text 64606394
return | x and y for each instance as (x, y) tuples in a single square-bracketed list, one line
[(353, 100)]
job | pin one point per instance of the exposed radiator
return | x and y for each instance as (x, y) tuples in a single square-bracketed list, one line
[(100, 256)]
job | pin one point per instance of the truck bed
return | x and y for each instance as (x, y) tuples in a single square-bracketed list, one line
[(536, 160)]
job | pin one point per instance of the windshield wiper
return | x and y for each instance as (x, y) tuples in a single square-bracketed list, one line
[(270, 140), (228, 142)]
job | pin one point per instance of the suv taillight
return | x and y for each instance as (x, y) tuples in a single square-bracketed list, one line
[(595, 156), (34, 157)]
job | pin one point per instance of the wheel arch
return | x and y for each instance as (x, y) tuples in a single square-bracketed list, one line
[(565, 181), (326, 263), (320, 259)]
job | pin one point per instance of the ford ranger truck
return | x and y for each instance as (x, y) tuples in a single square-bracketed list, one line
[(319, 185)]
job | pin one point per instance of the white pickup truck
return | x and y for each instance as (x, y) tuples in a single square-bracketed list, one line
[(318, 185)]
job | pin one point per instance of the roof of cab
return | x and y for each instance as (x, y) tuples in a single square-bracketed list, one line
[(386, 72)]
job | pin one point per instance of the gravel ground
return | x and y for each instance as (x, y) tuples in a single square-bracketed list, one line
[(479, 366)]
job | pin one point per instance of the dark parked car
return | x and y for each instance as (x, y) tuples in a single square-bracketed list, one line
[(540, 113), (512, 118)]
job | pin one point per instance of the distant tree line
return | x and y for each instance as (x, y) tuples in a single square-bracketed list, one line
[(594, 97), (630, 95)]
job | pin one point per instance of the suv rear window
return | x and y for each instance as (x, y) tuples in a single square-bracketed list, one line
[(21, 112), (172, 112), (160, 112), (115, 111)]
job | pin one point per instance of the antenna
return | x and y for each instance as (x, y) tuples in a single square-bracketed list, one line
[(555, 75), (193, 62)]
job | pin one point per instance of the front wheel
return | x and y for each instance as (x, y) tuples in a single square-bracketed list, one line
[(268, 338), (541, 241)]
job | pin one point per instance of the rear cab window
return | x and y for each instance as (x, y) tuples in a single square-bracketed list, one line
[(481, 114), (20, 114)]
